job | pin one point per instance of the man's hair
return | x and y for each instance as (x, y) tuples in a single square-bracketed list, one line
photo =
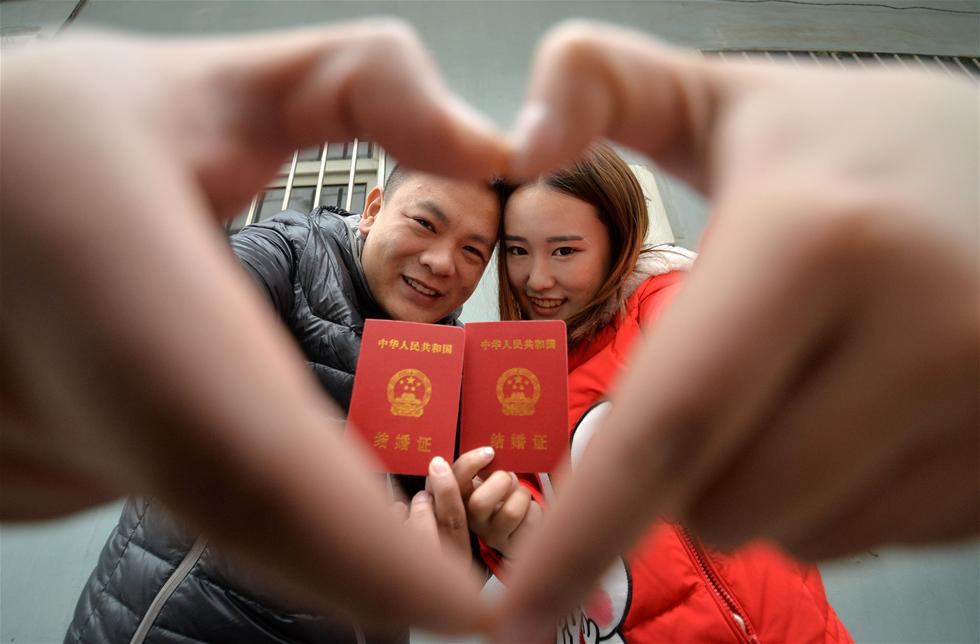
[(399, 173), (395, 179), (604, 180)]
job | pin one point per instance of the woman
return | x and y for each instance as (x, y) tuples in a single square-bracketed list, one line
[(573, 249)]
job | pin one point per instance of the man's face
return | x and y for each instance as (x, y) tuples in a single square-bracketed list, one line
[(427, 245)]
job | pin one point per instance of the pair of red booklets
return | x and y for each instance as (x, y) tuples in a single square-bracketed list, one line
[(506, 383)]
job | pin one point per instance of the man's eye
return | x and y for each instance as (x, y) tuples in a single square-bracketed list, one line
[(564, 251), (474, 251), (425, 223)]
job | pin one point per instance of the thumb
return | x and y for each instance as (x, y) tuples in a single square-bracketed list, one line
[(592, 80)]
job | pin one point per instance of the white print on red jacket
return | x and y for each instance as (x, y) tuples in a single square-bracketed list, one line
[(601, 618)]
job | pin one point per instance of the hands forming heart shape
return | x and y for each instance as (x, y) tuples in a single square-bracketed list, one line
[(824, 397)]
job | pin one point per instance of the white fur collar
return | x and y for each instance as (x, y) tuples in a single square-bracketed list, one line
[(655, 260)]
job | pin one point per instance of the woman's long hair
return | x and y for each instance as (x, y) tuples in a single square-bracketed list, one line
[(604, 180)]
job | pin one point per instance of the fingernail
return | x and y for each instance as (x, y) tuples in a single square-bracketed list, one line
[(530, 125), (439, 465), (488, 452), (422, 497)]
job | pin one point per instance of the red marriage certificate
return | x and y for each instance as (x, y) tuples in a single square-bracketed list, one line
[(406, 392), (515, 393)]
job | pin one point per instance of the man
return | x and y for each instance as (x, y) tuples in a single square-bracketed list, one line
[(416, 254), (430, 239)]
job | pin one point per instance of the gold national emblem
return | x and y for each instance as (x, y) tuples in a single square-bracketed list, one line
[(518, 391), (409, 392)]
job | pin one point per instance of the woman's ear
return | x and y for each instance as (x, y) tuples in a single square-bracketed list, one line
[(375, 200)]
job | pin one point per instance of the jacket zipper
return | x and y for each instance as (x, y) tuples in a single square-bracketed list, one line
[(716, 586), (178, 575)]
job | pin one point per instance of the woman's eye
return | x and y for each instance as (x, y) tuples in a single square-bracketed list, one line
[(564, 251), (425, 223), (516, 250)]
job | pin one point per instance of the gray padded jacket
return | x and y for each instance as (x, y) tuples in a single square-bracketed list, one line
[(157, 582)]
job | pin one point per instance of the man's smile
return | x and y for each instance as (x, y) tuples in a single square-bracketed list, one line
[(420, 287)]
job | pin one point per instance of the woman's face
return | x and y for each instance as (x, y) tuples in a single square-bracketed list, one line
[(557, 252)]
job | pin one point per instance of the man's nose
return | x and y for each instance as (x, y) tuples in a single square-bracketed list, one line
[(439, 260)]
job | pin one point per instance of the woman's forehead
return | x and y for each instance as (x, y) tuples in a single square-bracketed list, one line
[(540, 208)]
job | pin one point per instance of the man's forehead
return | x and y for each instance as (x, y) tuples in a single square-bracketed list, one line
[(417, 182), (448, 200)]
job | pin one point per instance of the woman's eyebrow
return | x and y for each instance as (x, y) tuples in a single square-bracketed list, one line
[(550, 240)]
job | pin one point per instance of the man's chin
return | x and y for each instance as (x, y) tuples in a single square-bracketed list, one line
[(409, 313), (406, 304)]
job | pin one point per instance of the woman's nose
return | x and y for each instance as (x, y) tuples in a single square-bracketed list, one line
[(541, 279)]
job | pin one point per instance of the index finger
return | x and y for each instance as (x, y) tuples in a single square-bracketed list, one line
[(468, 465)]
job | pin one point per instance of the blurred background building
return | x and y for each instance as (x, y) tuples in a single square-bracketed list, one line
[(331, 174), (483, 48)]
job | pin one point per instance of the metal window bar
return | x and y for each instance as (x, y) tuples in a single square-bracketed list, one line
[(319, 177), (289, 181), (350, 177), (900, 61), (956, 66), (939, 61), (960, 65), (382, 161), (253, 209)]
